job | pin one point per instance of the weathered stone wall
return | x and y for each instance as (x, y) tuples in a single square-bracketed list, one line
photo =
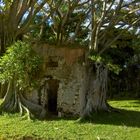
[(66, 66)]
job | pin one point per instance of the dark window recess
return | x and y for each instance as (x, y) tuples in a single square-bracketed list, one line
[(52, 64)]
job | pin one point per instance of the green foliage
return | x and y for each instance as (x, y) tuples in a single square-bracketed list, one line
[(96, 58), (19, 63), (115, 68), (120, 53), (136, 45), (107, 62)]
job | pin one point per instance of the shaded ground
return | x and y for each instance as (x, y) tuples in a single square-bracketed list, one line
[(128, 115), (124, 118)]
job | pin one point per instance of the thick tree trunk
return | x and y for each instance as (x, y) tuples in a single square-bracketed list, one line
[(94, 96)]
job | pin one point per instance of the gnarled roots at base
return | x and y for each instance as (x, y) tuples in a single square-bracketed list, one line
[(14, 101)]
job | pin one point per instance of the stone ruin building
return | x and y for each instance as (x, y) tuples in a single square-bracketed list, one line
[(63, 79)]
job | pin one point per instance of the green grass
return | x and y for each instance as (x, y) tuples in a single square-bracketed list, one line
[(106, 126)]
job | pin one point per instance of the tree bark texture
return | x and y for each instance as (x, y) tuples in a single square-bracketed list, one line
[(93, 98)]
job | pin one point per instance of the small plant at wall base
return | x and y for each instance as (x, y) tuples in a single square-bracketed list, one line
[(18, 69)]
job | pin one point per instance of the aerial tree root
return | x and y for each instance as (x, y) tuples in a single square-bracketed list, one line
[(16, 102)]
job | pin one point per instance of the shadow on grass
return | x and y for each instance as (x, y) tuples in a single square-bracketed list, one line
[(122, 118), (137, 101)]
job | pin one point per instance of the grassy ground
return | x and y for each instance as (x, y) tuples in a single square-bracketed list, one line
[(105, 126)]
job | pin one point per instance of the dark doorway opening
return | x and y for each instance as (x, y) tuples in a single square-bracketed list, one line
[(52, 96)]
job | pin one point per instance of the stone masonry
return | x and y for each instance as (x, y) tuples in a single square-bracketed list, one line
[(66, 66)]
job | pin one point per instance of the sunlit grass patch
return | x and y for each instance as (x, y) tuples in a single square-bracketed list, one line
[(103, 126)]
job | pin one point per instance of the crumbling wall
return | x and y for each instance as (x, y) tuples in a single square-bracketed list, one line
[(65, 65)]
